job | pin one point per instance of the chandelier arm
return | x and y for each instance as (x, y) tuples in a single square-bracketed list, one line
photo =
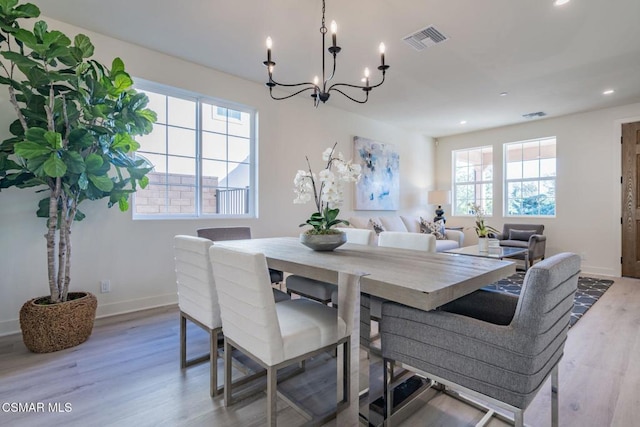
[(351, 98), (288, 96), (333, 71), (333, 86), (291, 85)]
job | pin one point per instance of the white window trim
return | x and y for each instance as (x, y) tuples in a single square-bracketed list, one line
[(453, 180), (253, 163), (505, 183)]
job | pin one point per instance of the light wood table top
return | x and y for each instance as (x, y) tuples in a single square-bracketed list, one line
[(417, 279)]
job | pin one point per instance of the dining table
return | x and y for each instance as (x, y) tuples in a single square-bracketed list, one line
[(413, 278)]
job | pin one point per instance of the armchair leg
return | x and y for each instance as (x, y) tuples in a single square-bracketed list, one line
[(272, 410), (183, 341)]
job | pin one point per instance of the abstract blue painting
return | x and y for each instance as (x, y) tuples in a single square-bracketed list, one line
[(379, 185)]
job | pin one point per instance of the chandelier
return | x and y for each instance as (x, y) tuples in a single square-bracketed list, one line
[(322, 91)]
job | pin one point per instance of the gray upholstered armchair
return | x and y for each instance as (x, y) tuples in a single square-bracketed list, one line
[(524, 236), (495, 347)]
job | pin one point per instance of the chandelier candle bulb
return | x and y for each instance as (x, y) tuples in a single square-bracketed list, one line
[(366, 77), (269, 44), (334, 31), (382, 49)]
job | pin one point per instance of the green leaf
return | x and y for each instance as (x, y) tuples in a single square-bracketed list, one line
[(83, 43), (123, 204), (39, 30), (144, 181), (117, 66), (102, 183), (74, 161), (121, 83), (55, 167), (79, 139), (55, 37), (83, 181), (35, 134), (26, 37), (19, 60), (54, 139), (43, 208), (7, 5), (26, 11), (93, 162), (149, 115), (36, 165), (30, 150), (122, 141)]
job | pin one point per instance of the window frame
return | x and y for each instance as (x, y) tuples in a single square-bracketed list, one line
[(200, 99), (476, 182), (506, 181)]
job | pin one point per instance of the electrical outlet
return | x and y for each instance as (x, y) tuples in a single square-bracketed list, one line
[(105, 286), (583, 256)]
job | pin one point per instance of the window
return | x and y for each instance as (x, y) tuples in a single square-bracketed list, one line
[(473, 180), (203, 153), (530, 178)]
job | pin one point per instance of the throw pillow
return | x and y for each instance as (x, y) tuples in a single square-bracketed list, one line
[(521, 234), (436, 228), (376, 226)]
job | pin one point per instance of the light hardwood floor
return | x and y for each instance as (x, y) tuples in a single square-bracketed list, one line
[(127, 374)]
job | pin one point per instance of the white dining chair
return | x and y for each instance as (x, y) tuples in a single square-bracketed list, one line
[(198, 300), (273, 335)]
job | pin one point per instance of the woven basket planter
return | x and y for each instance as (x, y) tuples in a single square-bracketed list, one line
[(52, 327)]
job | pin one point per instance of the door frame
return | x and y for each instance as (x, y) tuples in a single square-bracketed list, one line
[(617, 141)]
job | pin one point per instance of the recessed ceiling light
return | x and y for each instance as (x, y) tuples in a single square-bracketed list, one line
[(608, 92), (504, 93), (560, 2), (463, 122)]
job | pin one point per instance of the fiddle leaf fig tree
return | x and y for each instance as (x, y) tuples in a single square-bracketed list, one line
[(73, 138)]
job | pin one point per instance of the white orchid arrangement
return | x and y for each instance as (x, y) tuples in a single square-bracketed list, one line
[(325, 189), (482, 229)]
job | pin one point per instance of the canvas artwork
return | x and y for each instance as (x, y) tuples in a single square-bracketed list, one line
[(379, 186)]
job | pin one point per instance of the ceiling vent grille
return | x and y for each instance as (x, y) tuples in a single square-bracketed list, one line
[(534, 115), (425, 38)]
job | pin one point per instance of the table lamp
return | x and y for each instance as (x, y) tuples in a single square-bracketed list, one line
[(439, 198)]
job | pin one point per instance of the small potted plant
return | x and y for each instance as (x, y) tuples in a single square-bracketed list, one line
[(483, 231), (326, 190), (73, 140)]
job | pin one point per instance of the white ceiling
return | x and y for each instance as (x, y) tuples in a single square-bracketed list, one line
[(553, 59)]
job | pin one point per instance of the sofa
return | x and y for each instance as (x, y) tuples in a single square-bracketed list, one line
[(411, 224)]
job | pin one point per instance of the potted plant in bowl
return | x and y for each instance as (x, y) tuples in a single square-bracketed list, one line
[(73, 140), (483, 230), (325, 189)]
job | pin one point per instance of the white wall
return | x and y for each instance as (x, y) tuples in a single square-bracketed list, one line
[(137, 255), (588, 182)]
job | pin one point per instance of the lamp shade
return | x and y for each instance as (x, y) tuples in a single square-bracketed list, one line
[(439, 197)]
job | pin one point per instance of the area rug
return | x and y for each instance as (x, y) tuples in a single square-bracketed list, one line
[(589, 290)]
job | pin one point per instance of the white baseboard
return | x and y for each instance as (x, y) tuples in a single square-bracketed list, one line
[(122, 307), (12, 326)]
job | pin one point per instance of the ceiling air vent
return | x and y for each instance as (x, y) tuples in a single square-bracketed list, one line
[(534, 115), (425, 38)]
